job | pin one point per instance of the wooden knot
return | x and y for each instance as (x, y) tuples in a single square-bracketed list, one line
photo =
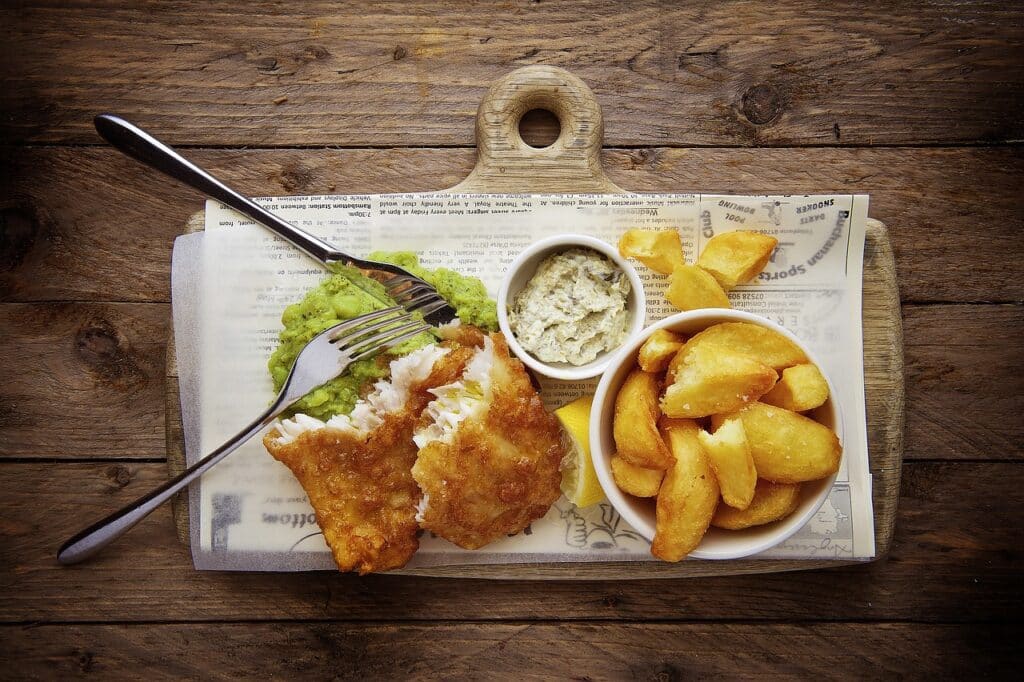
[(85, 660), (314, 52), (19, 227), (119, 475), (98, 343), (398, 53), (266, 65), (296, 177), (761, 104), (667, 673), (106, 353), (642, 157)]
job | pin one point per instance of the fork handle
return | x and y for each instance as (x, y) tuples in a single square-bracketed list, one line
[(103, 532), (142, 146)]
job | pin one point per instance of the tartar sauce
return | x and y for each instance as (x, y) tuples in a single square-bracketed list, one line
[(572, 309)]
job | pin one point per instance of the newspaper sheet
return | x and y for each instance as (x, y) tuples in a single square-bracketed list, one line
[(231, 284)]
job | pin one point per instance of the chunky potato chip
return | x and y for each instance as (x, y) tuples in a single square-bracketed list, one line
[(772, 502), (732, 462), (658, 349), (660, 250), (787, 447), (635, 424), (736, 257), (691, 288), (688, 495), (673, 366), (636, 480), (709, 382), (801, 388), (768, 346)]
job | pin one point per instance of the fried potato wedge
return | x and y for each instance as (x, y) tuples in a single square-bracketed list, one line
[(736, 257), (635, 423), (710, 382), (673, 366), (768, 346), (635, 480), (729, 455), (688, 495), (801, 388), (658, 350), (787, 447), (692, 288), (660, 250), (772, 502)]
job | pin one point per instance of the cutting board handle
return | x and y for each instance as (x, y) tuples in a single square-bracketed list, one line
[(507, 164)]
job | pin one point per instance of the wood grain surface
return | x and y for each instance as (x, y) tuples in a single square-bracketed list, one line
[(524, 651), (412, 73), (954, 241), (965, 546), (920, 106)]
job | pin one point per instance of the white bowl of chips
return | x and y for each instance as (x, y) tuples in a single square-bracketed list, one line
[(720, 542)]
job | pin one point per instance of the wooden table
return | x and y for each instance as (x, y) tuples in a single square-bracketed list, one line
[(922, 109)]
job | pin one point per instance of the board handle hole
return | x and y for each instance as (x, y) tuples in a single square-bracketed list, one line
[(539, 128)]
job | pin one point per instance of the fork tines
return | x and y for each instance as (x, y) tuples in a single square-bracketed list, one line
[(413, 293), (369, 334)]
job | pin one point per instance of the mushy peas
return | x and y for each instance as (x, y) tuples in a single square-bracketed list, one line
[(572, 309), (348, 293)]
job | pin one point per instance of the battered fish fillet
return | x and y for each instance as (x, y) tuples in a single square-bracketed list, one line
[(356, 469), (489, 454)]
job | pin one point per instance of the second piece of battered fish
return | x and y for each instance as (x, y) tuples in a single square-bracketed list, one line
[(489, 454), (356, 469)]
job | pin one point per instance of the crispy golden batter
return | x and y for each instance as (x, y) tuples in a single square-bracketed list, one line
[(361, 486), (499, 472)]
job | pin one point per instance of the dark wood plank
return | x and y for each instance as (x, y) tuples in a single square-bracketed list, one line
[(412, 73), (957, 532), (80, 219), (524, 651), (82, 379), (105, 363), (964, 382), (77, 220)]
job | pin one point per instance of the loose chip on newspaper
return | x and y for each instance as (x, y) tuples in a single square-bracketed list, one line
[(692, 288), (660, 250), (736, 257)]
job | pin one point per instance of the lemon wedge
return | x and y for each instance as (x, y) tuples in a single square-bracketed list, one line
[(579, 481)]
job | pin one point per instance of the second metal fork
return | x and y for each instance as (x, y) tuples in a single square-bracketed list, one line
[(322, 359)]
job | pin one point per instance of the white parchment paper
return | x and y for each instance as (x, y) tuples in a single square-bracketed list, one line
[(231, 283)]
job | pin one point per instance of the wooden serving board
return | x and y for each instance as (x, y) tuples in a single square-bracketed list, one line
[(506, 164)]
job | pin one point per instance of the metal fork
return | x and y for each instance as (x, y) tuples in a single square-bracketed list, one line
[(322, 359), (405, 288)]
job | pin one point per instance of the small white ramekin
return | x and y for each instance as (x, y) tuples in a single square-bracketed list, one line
[(525, 266), (639, 512)]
